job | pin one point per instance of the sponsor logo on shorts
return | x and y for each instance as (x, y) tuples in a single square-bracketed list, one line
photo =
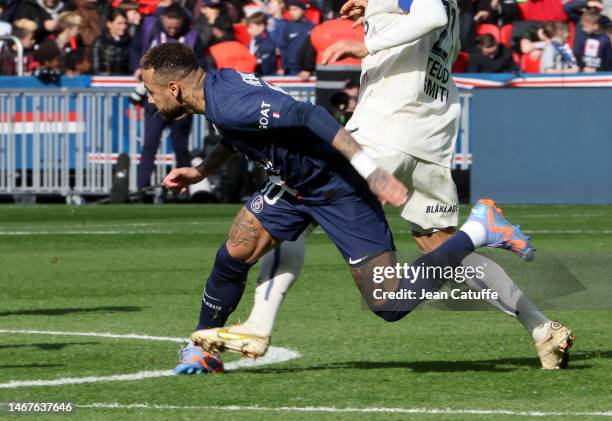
[(355, 261), (442, 209), (257, 204)]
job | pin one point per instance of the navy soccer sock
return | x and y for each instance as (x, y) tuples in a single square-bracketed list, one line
[(224, 289), (448, 255)]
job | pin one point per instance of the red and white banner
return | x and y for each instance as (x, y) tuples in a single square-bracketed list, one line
[(42, 122)]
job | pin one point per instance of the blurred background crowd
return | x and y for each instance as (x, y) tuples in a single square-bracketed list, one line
[(288, 37)]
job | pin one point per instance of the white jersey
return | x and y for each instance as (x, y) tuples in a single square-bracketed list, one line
[(408, 100)]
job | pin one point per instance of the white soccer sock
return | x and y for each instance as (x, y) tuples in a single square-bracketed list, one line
[(279, 269), (511, 299), (476, 231)]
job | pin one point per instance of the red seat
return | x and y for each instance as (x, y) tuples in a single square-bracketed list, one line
[(487, 28), (523, 9), (528, 65), (506, 35), (461, 64), (241, 33)]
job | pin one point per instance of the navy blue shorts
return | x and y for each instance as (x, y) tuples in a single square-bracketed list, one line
[(356, 224)]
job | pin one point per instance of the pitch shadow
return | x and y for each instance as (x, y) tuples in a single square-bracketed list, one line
[(48, 346), (493, 365), (30, 365), (70, 310)]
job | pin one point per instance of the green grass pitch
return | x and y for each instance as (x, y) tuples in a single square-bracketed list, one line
[(141, 269)]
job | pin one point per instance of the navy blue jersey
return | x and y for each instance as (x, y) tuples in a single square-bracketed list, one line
[(290, 139)]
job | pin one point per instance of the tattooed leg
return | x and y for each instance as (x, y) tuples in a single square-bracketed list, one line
[(247, 241)]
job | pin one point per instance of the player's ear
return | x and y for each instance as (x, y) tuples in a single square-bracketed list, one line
[(175, 90)]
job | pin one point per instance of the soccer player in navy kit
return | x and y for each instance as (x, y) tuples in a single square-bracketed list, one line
[(317, 173)]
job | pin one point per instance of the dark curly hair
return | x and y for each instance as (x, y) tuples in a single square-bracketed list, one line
[(171, 60)]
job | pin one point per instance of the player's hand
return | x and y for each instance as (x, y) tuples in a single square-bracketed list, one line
[(388, 188), (354, 9), (343, 49), (180, 178)]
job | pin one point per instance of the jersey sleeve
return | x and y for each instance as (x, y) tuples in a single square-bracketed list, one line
[(424, 16), (267, 107)]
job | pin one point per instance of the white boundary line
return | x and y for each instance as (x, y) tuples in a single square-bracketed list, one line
[(275, 355), (331, 409)]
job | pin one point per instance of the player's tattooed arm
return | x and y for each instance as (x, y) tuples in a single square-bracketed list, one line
[(180, 178), (384, 185), (214, 160), (345, 144)]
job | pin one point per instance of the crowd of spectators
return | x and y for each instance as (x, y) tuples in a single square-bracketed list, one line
[(287, 37)]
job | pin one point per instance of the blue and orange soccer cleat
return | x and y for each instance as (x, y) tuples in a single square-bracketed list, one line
[(499, 231), (194, 360)]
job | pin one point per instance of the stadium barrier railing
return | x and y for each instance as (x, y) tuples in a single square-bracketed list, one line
[(65, 139)]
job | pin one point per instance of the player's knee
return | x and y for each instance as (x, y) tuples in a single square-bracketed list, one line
[(240, 251)]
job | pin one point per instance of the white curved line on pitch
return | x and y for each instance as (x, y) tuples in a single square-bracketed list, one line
[(275, 355)]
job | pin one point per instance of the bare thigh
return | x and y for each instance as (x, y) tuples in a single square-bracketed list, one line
[(248, 240)]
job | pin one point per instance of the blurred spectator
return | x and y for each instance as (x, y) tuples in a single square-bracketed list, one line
[(23, 29), (49, 58), (5, 27), (7, 10), (209, 13), (295, 33), (557, 56), (67, 37), (492, 57), (497, 12), (172, 26), (261, 45), (111, 51), (535, 39), (467, 25), (77, 63), (352, 90), (575, 9), (225, 51), (45, 13), (607, 67), (134, 18), (91, 23), (234, 10), (591, 45), (342, 104), (276, 23)]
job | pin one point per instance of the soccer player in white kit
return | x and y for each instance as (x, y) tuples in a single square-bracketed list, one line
[(406, 120)]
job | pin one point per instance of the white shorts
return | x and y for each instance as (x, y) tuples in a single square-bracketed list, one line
[(433, 203)]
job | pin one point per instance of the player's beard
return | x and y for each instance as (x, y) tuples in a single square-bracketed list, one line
[(172, 112)]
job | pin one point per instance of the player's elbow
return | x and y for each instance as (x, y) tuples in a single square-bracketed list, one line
[(432, 13)]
